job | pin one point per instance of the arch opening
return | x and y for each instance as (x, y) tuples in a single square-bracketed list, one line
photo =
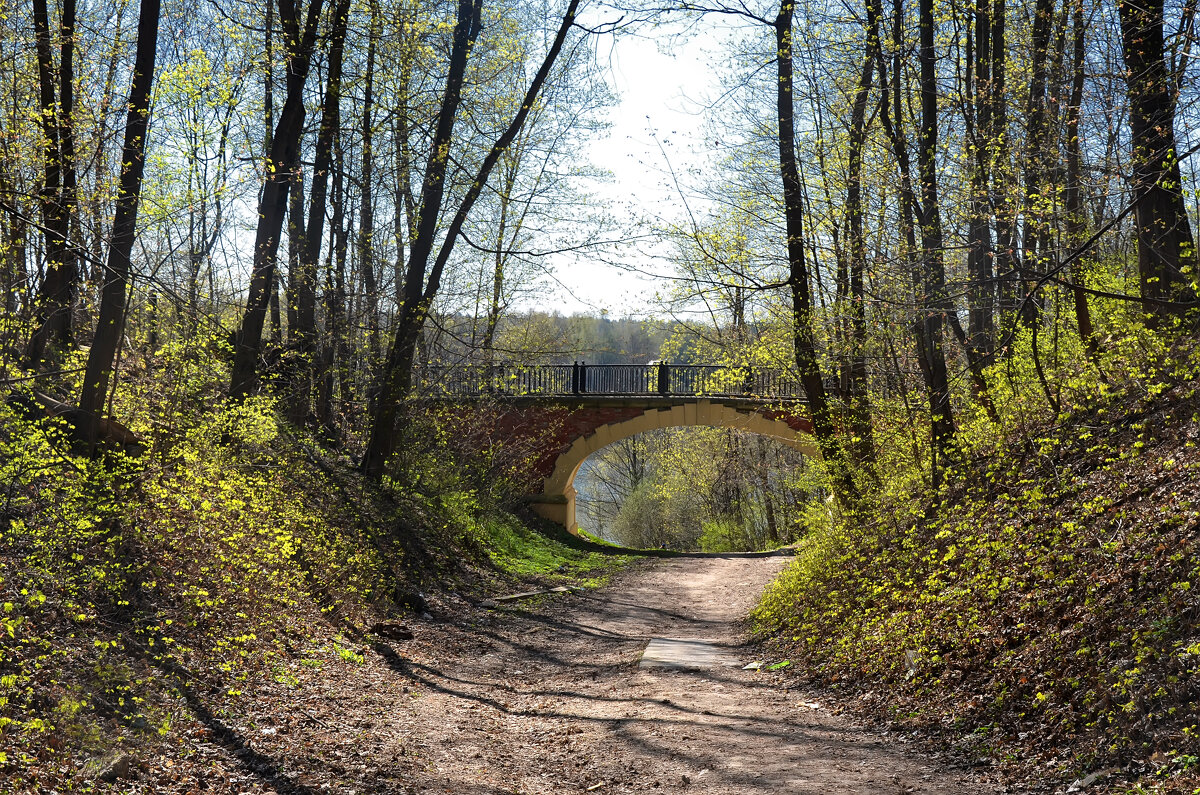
[(557, 502)]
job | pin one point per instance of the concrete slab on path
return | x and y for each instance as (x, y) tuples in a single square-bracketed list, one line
[(689, 654)]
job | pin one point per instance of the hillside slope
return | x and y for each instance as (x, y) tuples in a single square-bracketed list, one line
[(1044, 615), (158, 610)]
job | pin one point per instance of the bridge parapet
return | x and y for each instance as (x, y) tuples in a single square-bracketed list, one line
[(562, 413), (591, 424), (657, 379), (555, 434)]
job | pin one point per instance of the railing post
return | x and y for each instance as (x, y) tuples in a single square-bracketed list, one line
[(575, 378), (582, 377), (748, 383), (664, 378)]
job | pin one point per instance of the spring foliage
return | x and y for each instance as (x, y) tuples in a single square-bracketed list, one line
[(1044, 598), (230, 545)]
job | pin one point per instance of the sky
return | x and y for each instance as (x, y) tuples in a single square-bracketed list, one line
[(661, 83)]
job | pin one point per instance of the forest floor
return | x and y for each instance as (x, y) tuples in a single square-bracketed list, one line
[(547, 696)]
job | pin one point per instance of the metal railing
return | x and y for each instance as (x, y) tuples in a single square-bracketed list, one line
[(617, 380)]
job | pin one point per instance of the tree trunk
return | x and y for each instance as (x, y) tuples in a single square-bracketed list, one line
[(764, 483), (931, 240), (303, 335), (419, 289), (111, 324), (981, 288), (398, 371), (282, 161), (824, 427), (1073, 192), (1036, 209), (334, 357), (12, 255), (862, 445), (268, 134), (500, 260), (60, 287), (1166, 250), (366, 210), (910, 206), (1000, 165), (296, 243)]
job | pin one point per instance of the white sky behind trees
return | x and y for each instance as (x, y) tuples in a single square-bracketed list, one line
[(662, 81)]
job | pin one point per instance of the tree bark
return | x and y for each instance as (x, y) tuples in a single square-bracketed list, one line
[(1166, 250), (804, 342), (282, 161), (111, 323)]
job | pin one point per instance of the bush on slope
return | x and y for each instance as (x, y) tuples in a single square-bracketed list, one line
[(1046, 607)]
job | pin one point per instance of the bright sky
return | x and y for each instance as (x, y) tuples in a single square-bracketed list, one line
[(661, 82)]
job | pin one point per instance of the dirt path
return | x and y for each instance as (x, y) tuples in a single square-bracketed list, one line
[(551, 699)]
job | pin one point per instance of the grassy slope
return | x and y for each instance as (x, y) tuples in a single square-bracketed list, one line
[(1049, 616), (138, 595)]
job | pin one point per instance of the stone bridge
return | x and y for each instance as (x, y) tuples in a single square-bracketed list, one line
[(564, 413)]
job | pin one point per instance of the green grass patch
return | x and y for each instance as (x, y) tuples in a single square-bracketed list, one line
[(595, 539), (522, 551)]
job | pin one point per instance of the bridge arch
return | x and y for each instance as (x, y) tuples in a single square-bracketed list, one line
[(557, 500)]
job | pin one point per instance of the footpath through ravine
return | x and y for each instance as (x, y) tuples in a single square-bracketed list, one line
[(557, 696)]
